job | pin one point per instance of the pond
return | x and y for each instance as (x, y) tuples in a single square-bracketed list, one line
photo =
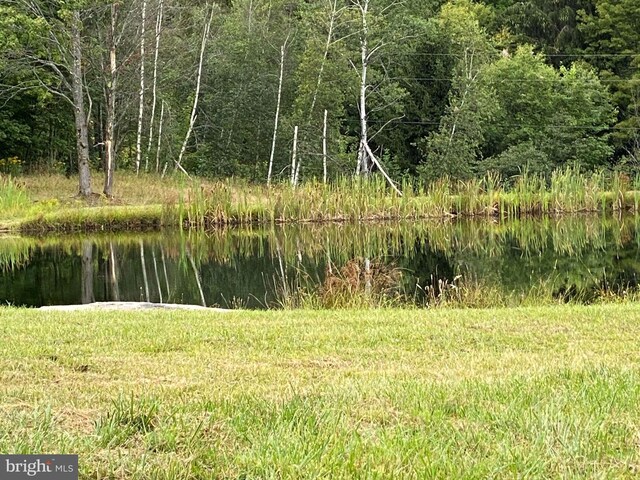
[(576, 257)]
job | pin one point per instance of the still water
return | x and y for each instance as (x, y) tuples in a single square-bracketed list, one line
[(256, 268)]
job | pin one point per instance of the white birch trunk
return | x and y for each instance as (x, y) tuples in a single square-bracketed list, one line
[(295, 166), (166, 277), (363, 164), (196, 273), (379, 165), (192, 121), (113, 274), (141, 94), (275, 128), (159, 138), (324, 148), (155, 83)]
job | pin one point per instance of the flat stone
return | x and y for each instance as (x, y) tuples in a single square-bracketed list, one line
[(130, 306)]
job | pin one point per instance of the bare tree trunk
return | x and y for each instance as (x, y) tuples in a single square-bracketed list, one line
[(366, 158), (324, 148), (379, 165), (82, 135), (275, 128), (363, 167), (141, 94), (159, 138), (192, 121), (110, 163), (155, 83), (295, 166)]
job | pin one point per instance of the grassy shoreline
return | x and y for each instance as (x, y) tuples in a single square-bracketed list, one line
[(501, 393), (40, 204)]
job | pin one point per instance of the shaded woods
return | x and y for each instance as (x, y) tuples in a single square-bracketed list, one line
[(412, 88)]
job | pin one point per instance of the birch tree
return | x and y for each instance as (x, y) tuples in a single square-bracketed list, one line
[(194, 110), (322, 83), (277, 115), (110, 97), (114, 37), (143, 21), (154, 90), (366, 158)]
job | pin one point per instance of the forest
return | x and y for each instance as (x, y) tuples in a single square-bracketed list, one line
[(295, 90)]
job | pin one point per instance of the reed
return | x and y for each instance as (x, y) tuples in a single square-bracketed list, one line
[(356, 199), (348, 289), (12, 194), (207, 205)]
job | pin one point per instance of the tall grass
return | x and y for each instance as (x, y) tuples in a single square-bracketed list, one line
[(205, 204), (350, 199), (12, 194)]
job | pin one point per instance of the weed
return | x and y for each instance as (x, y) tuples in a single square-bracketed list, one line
[(126, 418)]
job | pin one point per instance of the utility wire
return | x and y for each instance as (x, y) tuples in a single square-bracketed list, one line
[(518, 125), (553, 55)]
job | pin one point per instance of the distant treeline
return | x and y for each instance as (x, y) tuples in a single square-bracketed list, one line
[(241, 88)]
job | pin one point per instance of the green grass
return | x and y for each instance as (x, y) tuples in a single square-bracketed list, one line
[(513, 393), (98, 218)]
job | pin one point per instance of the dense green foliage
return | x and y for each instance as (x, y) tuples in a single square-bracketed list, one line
[(453, 88)]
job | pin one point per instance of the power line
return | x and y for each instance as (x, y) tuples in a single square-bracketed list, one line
[(499, 80), (514, 125), (554, 55), (517, 80)]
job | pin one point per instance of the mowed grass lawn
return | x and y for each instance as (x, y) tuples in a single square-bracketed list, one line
[(509, 393)]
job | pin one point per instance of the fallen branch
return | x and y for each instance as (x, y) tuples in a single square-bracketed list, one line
[(379, 165)]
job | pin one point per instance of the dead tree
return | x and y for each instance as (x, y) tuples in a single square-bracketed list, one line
[(192, 120)]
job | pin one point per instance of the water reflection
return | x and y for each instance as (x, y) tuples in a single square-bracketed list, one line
[(258, 267)]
